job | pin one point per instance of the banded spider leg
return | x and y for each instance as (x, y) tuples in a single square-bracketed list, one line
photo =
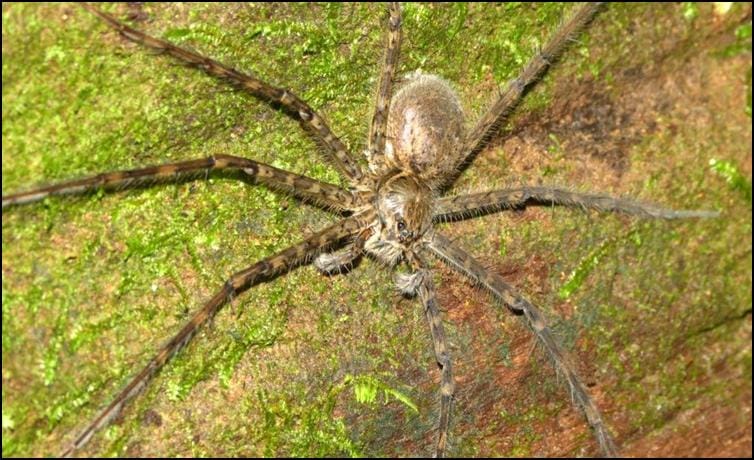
[(241, 281)]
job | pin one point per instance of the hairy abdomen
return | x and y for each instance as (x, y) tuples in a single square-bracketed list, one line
[(425, 128)]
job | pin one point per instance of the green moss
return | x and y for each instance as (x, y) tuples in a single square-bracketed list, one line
[(736, 181), (92, 286)]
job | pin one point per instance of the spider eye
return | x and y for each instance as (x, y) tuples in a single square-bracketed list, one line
[(401, 225)]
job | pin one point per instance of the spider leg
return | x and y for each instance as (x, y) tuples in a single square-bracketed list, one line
[(513, 92), (336, 151), (426, 290), (461, 207), (442, 355), (326, 195), (264, 270), (376, 141), (336, 262), (460, 260), (342, 260)]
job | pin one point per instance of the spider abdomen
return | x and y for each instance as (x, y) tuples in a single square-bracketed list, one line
[(425, 128)]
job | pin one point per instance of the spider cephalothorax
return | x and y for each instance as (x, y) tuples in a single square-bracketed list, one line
[(404, 206), (416, 144)]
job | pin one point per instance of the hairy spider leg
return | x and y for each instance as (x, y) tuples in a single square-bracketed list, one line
[(378, 127), (460, 260), (264, 270), (320, 193), (336, 152), (461, 207), (423, 286), (514, 91)]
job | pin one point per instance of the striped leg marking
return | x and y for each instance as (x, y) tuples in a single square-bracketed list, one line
[(378, 128), (428, 298), (323, 194), (465, 206)]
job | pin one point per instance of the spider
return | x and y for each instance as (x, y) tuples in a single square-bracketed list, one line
[(389, 207)]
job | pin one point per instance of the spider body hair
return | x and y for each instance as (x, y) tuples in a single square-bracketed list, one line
[(425, 128), (424, 133)]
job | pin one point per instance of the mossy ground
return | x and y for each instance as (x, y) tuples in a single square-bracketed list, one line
[(653, 102)]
